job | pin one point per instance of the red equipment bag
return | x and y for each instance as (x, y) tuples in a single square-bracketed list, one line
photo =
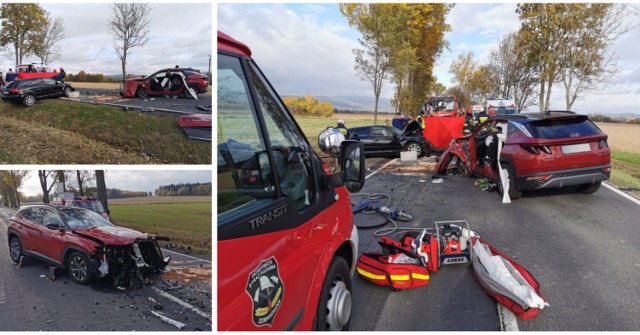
[(375, 268), (505, 301)]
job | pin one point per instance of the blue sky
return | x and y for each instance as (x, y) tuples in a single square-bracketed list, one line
[(306, 48)]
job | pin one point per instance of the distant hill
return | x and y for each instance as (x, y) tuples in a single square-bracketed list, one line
[(357, 103)]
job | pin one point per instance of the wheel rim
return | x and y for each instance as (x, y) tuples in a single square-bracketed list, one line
[(142, 93), (29, 100), (78, 268), (14, 249), (338, 305), (67, 91), (414, 147)]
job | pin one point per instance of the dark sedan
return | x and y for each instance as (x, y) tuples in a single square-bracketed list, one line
[(390, 141), (27, 91)]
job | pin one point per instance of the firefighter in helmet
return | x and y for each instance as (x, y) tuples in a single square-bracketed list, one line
[(469, 123), (420, 118), (342, 128)]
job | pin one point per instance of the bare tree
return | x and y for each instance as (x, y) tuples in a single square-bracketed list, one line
[(510, 74), (129, 27), (82, 179), (372, 64), (595, 28), (44, 175), (45, 41)]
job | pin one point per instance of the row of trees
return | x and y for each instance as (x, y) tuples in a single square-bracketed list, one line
[(184, 189), (565, 44), (31, 30), (309, 106), (401, 42)]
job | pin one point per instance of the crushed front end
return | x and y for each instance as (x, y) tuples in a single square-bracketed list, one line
[(127, 264)]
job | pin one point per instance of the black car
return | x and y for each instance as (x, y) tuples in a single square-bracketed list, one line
[(390, 141), (28, 90)]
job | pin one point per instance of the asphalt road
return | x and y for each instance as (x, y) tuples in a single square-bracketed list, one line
[(584, 250), (112, 97), (29, 301)]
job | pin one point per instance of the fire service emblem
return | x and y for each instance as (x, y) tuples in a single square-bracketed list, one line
[(266, 291)]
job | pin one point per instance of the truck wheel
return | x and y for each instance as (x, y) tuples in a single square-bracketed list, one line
[(513, 192), (588, 188), (15, 249), (79, 268), (142, 93), (334, 306)]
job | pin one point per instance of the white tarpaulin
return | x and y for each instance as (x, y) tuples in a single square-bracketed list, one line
[(499, 276)]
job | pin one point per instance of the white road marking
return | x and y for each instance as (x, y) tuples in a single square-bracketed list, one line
[(621, 193), (380, 168), (508, 321), (182, 303), (177, 253), (2, 296)]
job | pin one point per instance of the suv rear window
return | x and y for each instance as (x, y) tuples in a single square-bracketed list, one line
[(562, 128)]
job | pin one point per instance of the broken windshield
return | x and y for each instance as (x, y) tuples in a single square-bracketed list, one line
[(81, 218)]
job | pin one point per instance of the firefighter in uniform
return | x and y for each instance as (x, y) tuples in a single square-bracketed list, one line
[(469, 123), (342, 128), (420, 118)]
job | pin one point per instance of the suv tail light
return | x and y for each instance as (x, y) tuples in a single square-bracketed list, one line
[(535, 149), (602, 144), (14, 90)]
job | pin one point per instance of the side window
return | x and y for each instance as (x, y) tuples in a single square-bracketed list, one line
[(379, 131), (361, 131), (245, 179), (48, 81), (50, 216), (291, 151)]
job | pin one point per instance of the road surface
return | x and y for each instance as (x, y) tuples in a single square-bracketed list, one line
[(29, 301), (584, 250)]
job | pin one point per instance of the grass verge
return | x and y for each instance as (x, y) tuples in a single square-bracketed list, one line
[(132, 132), (186, 224), (625, 172)]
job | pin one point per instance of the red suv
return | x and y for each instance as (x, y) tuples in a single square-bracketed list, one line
[(546, 150), (177, 82), (83, 242)]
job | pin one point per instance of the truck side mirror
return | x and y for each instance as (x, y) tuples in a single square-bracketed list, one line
[(352, 165)]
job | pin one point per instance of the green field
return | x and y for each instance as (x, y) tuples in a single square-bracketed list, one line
[(186, 224)]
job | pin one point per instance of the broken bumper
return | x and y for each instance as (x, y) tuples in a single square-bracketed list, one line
[(564, 178)]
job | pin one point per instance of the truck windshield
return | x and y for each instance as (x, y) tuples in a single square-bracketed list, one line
[(505, 111), (441, 105)]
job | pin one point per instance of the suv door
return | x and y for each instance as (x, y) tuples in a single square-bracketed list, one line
[(271, 230), (28, 220), (51, 241), (384, 139)]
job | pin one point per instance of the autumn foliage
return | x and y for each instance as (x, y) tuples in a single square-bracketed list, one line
[(308, 106)]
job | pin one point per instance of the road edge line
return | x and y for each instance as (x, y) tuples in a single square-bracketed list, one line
[(508, 321), (182, 303), (622, 193), (380, 168), (177, 253)]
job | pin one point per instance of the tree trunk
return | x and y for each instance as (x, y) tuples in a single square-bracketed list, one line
[(124, 65), (42, 175), (80, 183), (375, 110), (61, 180), (102, 189), (541, 95)]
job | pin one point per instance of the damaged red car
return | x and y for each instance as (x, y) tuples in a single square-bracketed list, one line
[(81, 241), (187, 83), (539, 151)]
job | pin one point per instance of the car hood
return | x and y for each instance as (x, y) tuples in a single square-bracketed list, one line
[(112, 235)]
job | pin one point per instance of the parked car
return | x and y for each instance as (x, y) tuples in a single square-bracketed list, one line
[(27, 91), (544, 150), (183, 82), (390, 141), (83, 242)]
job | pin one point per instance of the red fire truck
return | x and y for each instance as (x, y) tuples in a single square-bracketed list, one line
[(287, 245)]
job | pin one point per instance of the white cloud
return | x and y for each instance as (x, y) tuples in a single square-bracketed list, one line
[(180, 34), (298, 56), (131, 180)]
